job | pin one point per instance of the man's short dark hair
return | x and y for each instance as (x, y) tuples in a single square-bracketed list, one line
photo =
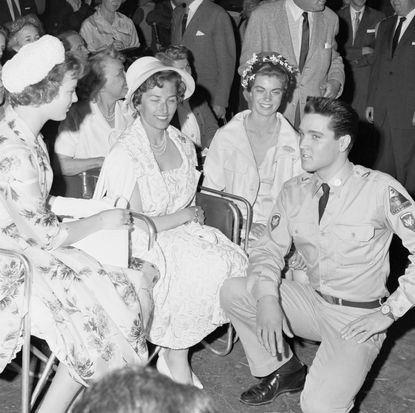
[(343, 119)]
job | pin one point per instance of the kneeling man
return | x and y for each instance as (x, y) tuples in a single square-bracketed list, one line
[(341, 218)]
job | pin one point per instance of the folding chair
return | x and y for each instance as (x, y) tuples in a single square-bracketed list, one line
[(28, 274), (223, 213)]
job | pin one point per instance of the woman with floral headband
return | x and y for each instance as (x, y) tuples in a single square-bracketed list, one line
[(92, 316), (258, 150)]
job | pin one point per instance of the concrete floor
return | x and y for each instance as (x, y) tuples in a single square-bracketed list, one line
[(389, 388)]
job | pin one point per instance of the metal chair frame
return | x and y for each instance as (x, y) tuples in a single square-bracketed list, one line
[(236, 230), (28, 271)]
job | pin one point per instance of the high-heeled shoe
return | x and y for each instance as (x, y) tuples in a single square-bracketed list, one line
[(163, 368)]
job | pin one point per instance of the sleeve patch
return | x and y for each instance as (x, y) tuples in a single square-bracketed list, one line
[(408, 221), (275, 221), (397, 202)]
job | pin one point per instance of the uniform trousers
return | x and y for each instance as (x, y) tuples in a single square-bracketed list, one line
[(397, 153), (339, 367)]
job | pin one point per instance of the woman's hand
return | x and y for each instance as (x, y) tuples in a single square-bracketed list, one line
[(296, 262), (116, 219), (257, 230), (196, 214)]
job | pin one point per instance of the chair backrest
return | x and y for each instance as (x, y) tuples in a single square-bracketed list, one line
[(221, 213), (81, 185)]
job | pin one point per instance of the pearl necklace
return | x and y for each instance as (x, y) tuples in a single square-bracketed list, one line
[(159, 150)]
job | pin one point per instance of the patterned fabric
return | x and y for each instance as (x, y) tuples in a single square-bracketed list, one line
[(93, 317), (194, 260)]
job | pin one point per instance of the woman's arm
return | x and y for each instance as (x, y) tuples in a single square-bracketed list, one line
[(165, 222)]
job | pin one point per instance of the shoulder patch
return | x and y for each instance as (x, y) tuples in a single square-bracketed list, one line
[(408, 221), (397, 202), (274, 221)]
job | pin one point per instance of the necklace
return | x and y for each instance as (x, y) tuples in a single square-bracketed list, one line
[(110, 117), (159, 150)]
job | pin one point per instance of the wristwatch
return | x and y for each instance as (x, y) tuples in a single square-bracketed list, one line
[(387, 311)]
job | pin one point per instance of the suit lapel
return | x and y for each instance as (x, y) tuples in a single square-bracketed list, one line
[(317, 33), (362, 27), (196, 21), (281, 22), (407, 37), (391, 30)]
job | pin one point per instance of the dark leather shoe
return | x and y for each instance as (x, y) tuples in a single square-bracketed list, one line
[(271, 386)]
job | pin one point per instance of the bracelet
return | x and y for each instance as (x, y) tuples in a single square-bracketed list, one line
[(195, 217)]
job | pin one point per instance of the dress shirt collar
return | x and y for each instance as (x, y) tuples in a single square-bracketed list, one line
[(337, 181), (353, 12), (296, 12), (409, 18)]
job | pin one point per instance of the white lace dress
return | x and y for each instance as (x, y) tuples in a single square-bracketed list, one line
[(193, 260)]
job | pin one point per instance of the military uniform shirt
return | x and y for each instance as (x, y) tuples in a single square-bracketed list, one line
[(347, 254)]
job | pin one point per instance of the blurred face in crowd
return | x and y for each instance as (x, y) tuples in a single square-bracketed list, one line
[(158, 106), (78, 47), (2, 44), (403, 7), (116, 85), (58, 108), (357, 4), (266, 95), (27, 34), (111, 5), (311, 5), (182, 64), (320, 151)]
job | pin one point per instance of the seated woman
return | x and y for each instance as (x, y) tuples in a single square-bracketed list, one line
[(93, 317), (106, 27), (94, 123), (258, 150), (195, 118), (25, 29), (74, 43), (154, 167)]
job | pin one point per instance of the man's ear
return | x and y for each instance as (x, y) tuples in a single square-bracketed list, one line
[(344, 142)]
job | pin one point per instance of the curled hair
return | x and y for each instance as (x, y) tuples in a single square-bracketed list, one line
[(343, 119), (157, 80), (172, 53), (136, 389), (47, 89), (63, 37), (94, 80), (14, 28), (270, 70)]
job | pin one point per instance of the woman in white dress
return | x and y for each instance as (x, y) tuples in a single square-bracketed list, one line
[(258, 150), (153, 165), (92, 316)]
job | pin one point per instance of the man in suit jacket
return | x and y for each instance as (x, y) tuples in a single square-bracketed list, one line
[(391, 103), (209, 35), (10, 10), (356, 40), (278, 26)]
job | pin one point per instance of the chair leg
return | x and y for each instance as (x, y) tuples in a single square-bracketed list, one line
[(42, 380), (231, 339)]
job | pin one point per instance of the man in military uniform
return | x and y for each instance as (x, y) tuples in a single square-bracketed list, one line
[(341, 218)]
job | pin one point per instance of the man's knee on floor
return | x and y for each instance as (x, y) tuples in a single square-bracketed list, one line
[(317, 403)]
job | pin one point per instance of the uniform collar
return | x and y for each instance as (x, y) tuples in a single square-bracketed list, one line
[(336, 182)]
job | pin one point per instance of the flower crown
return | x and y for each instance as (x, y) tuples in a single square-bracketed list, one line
[(256, 61)]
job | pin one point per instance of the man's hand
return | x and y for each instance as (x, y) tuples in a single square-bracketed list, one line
[(331, 88), (369, 114), (296, 262), (257, 230), (270, 323), (367, 50), (366, 326), (219, 111)]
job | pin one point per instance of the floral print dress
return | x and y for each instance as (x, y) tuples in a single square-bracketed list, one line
[(194, 259), (92, 316)]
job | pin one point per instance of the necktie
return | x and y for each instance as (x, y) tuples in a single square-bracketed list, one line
[(305, 40), (322, 202), (184, 21), (397, 34), (356, 23)]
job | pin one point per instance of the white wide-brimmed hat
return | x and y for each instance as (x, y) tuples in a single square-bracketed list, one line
[(144, 67)]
